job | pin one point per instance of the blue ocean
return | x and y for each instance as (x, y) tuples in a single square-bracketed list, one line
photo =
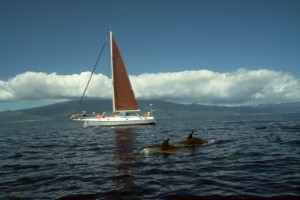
[(247, 157)]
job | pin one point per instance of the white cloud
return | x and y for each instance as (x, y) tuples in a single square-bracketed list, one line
[(42, 86), (202, 86), (235, 88)]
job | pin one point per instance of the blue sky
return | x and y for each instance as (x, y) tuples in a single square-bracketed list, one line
[(154, 36)]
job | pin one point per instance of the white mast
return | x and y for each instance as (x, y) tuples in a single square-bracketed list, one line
[(112, 72)]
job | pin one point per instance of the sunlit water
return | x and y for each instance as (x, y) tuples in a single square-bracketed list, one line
[(247, 157)]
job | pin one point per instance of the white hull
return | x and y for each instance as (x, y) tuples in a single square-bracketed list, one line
[(116, 121)]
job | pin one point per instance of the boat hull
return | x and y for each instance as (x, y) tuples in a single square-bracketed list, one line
[(117, 121)]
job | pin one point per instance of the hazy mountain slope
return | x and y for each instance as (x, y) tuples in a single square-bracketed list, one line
[(62, 111)]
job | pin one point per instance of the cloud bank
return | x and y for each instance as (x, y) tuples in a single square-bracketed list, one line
[(241, 87)]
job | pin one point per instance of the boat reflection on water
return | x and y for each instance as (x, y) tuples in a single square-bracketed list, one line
[(125, 158)]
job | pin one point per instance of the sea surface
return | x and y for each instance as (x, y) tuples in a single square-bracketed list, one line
[(246, 158)]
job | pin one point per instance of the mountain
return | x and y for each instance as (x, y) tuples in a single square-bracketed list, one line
[(63, 111)]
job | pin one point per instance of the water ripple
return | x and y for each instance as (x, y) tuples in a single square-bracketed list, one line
[(246, 158)]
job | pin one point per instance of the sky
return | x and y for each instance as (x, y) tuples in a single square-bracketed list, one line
[(214, 52)]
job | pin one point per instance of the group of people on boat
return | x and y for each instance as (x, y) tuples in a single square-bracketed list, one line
[(99, 116)]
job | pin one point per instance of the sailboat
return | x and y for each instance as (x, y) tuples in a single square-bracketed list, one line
[(124, 103)]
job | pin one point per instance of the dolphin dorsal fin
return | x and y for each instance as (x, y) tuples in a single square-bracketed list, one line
[(165, 142), (191, 135)]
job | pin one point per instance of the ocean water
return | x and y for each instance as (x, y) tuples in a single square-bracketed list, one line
[(247, 157)]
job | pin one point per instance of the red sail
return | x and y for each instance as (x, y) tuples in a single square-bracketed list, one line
[(123, 94)]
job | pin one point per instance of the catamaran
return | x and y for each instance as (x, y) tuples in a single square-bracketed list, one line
[(124, 103)]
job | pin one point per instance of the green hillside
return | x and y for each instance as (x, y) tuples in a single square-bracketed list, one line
[(63, 111)]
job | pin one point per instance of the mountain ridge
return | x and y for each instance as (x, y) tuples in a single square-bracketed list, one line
[(63, 110)]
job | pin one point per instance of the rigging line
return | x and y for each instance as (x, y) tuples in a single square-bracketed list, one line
[(80, 102)]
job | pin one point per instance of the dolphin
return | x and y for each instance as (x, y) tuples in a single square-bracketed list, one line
[(164, 147), (193, 141)]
